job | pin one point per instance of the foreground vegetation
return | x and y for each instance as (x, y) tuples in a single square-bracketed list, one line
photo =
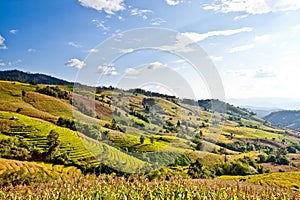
[(109, 187)]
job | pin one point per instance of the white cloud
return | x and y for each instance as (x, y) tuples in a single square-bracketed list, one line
[(74, 44), (241, 48), (100, 24), (131, 71), (262, 37), (107, 70), (216, 58), (2, 45), (157, 21), (239, 72), (252, 73), (179, 61), (199, 37), (172, 2), (2, 64), (182, 44), (14, 62), (120, 17), (13, 31), (240, 17), (252, 6), (74, 62), (140, 12), (185, 40), (10, 63), (263, 73), (156, 65), (126, 50), (108, 6), (31, 50), (93, 50)]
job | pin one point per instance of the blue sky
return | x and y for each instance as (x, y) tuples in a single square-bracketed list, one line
[(254, 44)]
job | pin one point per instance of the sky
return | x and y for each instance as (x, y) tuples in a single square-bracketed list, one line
[(253, 45)]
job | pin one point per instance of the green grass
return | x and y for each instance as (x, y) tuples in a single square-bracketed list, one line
[(245, 132)]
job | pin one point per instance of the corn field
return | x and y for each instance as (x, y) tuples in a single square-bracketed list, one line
[(120, 188)]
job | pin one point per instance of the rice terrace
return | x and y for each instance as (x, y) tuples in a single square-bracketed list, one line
[(172, 99)]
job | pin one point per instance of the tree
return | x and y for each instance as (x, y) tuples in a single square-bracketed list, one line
[(113, 124), (178, 123), (142, 139), (53, 143), (291, 149), (281, 151), (197, 170), (201, 133), (151, 140), (199, 146)]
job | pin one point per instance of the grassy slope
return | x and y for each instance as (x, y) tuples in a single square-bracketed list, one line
[(49, 109), (78, 148)]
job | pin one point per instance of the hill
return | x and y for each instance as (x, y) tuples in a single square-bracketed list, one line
[(288, 119), (16, 75), (109, 130)]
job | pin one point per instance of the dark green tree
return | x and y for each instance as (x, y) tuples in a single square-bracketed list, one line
[(54, 143), (197, 170), (142, 139)]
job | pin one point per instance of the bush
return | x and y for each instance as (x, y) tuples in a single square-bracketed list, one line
[(197, 170)]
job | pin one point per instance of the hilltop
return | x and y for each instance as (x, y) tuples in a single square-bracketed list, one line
[(16, 75)]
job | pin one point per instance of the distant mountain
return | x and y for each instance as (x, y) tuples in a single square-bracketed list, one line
[(262, 111), (16, 75), (268, 102), (287, 118)]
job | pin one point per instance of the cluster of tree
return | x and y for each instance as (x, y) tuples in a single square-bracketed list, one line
[(279, 157), (170, 127), (239, 146), (54, 92), (149, 93), (140, 116), (67, 123), (19, 149), (114, 126), (242, 166)]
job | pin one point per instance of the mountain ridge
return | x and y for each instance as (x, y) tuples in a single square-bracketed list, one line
[(286, 118), (35, 78)]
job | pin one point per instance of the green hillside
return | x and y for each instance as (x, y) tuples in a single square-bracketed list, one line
[(137, 131)]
